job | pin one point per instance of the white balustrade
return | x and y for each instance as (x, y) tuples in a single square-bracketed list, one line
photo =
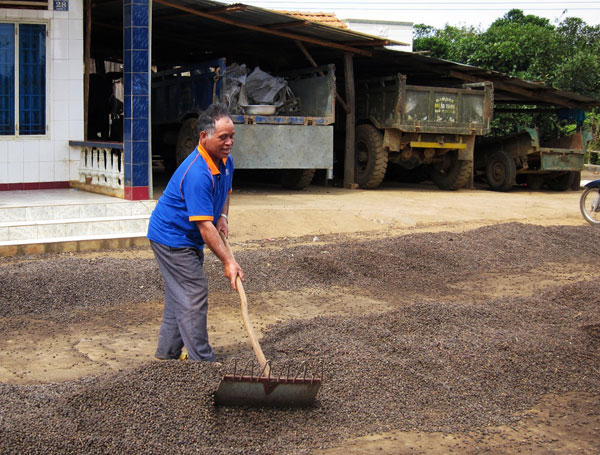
[(101, 166)]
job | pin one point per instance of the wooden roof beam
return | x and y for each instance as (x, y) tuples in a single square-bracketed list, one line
[(227, 9), (291, 36), (178, 14), (291, 24), (532, 95), (375, 42)]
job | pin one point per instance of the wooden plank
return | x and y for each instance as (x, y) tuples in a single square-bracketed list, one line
[(350, 122)]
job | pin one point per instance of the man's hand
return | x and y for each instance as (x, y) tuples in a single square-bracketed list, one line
[(223, 226), (232, 270)]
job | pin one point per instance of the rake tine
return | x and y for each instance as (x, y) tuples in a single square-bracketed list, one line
[(232, 363)]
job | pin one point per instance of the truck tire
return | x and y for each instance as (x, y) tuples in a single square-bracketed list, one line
[(500, 171), (561, 182), (187, 140), (370, 157), (576, 182), (451, 173), (297, 179)]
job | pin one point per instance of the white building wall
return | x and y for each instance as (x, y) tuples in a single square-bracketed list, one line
[(48, 158), (396, 31)]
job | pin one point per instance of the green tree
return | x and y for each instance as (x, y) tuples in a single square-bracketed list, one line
[(565, 56)]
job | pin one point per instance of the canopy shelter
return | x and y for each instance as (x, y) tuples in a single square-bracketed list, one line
[(188, 31), (165, 33)]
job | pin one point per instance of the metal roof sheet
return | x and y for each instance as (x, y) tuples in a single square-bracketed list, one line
[(188, 31)]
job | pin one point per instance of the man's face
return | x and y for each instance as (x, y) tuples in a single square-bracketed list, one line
[(219, 144)]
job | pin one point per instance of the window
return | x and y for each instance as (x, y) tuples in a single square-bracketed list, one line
[(22, 79)]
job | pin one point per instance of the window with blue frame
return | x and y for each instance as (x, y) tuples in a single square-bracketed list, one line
[(22, 79)]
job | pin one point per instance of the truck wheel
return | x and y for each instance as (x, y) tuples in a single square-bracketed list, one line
[(297, 179), (500, 171), (451, 173), (370, 157), (576, 182), (186, 140), (561, 182)]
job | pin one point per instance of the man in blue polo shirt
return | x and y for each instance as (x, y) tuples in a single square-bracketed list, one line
[(190, 214)]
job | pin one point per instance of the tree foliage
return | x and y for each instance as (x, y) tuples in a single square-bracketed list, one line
[(565, 56)]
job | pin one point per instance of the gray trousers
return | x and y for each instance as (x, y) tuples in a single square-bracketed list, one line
[(186, 303)]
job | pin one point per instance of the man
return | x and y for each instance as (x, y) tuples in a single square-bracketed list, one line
[(191, 212)]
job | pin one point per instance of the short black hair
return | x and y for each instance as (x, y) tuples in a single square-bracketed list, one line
[(207, 118)]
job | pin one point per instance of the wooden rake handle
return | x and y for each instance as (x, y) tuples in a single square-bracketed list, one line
[(264, 366)]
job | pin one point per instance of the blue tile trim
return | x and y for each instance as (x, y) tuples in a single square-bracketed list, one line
[(140, 130), (140, 174), (127, 105), (127, 152), (128, 174), (127, 81), (140, 61), (127, 37), (127, 15), (140, 107), (136, 80), (140, 37), (139, 83), (127, 125), (140, 153), (139, 15)]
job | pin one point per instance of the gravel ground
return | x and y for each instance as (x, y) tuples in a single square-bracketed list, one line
[(433, 365)]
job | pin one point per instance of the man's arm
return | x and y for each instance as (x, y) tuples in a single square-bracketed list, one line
[(223, 221), (211, 237)]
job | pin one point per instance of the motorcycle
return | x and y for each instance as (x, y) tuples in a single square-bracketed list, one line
[(589, 203)]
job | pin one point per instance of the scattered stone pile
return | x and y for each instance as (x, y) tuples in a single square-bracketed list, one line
[(425, 263), (432, 365)]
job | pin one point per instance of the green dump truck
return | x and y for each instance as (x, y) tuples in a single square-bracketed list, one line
[(424, 130), (523, 158)]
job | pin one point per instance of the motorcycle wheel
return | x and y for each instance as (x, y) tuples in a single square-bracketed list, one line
[(589, 204)]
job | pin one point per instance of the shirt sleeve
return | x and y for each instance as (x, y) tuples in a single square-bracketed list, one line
[(231, 168), (197, 191)]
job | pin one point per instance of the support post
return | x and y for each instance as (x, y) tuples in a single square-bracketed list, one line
[(87, 66), (350, 122), (137, 16)]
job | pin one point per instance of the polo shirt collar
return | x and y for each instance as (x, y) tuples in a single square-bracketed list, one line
[(211, 164)]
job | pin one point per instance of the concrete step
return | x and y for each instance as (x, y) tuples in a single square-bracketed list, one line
[(17, 232), (70, 211), (70, 221)]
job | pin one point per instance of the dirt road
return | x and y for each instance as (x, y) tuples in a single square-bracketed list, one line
[(493, 296)]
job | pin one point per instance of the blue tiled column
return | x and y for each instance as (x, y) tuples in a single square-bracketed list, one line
[(136, 78)]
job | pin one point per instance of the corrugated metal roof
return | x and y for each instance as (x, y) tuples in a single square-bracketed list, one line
[(507, 89), (188, 31)]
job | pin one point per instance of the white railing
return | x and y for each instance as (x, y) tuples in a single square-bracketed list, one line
[(101, 164)]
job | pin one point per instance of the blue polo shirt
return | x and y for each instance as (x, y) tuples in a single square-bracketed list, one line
[(197, 191)]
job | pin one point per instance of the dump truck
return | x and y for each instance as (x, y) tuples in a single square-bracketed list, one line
[(297, 144), (523, 158), (426, 131)]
